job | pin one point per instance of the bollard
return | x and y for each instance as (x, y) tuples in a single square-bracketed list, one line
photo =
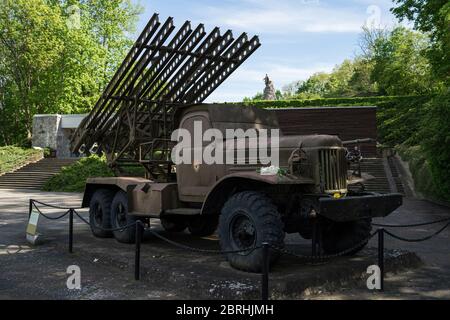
[(265, 272), (137, 260), (71, 231), (381, 257)]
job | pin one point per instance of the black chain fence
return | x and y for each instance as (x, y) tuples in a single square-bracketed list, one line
[(313, 259)]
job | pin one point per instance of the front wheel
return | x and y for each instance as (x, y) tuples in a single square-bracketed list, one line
[(248, 220)]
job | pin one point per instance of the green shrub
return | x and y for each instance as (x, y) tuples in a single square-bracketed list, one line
[(73, 178), (13, 157), (326, 102), (401, 121), (435, 133)]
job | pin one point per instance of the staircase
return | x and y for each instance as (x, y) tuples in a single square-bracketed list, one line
[(375, 167), (34, 175), (395, 175)]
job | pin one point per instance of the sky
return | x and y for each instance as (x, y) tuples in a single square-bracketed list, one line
[(298, 37)]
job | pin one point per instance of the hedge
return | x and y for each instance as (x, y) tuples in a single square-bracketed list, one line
[(328, 102)]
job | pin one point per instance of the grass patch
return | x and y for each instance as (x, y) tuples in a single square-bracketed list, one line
[(12, 157), (73, 178)]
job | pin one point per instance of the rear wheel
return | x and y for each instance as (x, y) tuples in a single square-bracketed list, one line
[(100, 213), (340, 236), (248, 220), (120, 218), (203, 226)]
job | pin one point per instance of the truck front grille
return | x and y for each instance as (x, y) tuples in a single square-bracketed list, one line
[(333, 170)]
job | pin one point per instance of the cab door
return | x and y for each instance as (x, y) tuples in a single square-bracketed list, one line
[(195, 179)]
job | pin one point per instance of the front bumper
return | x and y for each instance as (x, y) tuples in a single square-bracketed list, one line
[(361, 206)]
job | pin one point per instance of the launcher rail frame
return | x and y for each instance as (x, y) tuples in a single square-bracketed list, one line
[(155, 79)]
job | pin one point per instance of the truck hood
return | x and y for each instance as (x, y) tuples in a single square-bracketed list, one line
[(289, 142)]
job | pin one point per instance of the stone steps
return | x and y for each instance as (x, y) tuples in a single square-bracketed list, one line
[(34, 175), (375, 167)]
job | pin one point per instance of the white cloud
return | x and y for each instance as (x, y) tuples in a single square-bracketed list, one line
[(287, 17)]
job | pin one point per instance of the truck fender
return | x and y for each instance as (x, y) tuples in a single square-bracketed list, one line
[(231, 184), (111, 183)]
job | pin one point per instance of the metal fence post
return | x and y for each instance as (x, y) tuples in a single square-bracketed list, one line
[(265, 272), (314, 239), (137, 257), (381, 257), (30, 208), (71, 230)]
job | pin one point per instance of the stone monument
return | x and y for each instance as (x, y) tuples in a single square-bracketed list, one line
[(269, 91)]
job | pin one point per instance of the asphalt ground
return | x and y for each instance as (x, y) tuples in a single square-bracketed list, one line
[(107, 267)]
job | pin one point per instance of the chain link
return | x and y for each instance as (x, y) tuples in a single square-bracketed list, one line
[(251, 250), (48, 217), (184, 247), (420, 239), (120, 229), (52, 206), (325, 257), (410, 225)]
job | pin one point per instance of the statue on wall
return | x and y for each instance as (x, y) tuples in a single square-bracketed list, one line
[(269, 91)]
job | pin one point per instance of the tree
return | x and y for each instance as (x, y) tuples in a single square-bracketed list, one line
[(110, 22), (340, 78), (50, 66), (318, 85), (32, 45), (361, 83), (400, 66), (433, 17)]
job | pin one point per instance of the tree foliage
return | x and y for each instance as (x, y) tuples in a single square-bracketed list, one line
[(431, 17), (49, 65)]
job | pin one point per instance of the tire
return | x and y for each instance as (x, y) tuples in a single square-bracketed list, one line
[(100, 213), (203, 226), (173, 225), (121, 218), (338, 237), (249, 219)]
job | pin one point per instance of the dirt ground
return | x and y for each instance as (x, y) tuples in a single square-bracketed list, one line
[(170, 273)]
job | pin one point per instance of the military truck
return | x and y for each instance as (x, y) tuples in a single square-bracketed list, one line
[(159, 89)]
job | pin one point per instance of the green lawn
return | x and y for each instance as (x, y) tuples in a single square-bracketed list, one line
[(14, 157)]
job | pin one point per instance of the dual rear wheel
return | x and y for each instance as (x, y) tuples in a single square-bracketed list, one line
[(108, 213)]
